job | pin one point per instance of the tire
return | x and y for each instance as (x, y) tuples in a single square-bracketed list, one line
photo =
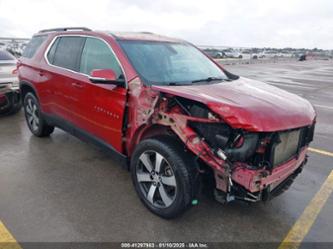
[(11, 108), (10, 111), (14, 109), (174, 185), (34, 117)]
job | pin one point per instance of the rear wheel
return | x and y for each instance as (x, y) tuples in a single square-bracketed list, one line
[(33, 115), (163, 176)]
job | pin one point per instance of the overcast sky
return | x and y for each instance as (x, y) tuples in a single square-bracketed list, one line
[(246, 23)]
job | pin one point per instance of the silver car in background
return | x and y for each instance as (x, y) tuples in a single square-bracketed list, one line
[(10, 101)]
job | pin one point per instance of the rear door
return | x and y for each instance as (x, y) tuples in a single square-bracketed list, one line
[(63, 62), (99, 107)]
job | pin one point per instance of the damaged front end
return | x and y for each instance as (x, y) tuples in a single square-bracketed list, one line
[(248, 166)]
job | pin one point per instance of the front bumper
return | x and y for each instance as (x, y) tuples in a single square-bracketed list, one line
[(259, 184)]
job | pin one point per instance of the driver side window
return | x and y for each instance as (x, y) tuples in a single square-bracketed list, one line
[(96, 54)]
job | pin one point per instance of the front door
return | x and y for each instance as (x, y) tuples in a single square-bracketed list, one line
[(99, 107)]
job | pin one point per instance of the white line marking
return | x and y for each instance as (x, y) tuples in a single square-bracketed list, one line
[(324, 106), (291, 85)]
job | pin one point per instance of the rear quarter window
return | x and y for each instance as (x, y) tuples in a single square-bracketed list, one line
[(32, 47)]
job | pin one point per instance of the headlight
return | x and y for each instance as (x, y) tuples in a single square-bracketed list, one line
[(216, 134)]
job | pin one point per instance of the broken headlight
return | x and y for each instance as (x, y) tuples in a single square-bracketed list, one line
[(238, 146)]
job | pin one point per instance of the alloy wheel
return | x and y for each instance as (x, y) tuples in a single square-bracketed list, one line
[(31, 110), (156, 179)]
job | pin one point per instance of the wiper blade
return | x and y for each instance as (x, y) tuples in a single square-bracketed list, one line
[(178, 83), (209, 79), (172, 84)]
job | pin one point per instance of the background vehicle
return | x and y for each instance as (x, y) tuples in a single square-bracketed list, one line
[(9, 87), (254, 56), (169, 111), (302, 57), (230, 53), (216, 54), (267, 54)]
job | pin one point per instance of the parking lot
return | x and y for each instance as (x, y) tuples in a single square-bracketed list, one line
[(60, 189)]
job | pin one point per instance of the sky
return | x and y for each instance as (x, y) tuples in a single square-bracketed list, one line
[(241, 23)]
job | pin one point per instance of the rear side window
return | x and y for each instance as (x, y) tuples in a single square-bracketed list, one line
[(32, 47), (66, 52), (98, 55), (5, 56)]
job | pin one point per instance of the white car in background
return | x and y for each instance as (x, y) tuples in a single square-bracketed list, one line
[(268, 54), (230, 53), (10, 101)]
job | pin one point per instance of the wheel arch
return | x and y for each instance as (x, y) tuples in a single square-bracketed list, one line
[(149, 131), (26, 87)]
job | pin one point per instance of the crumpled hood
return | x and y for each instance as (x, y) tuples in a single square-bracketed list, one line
[(249, 104)]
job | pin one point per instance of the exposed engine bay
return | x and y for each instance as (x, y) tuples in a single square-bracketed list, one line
[(243, 162)]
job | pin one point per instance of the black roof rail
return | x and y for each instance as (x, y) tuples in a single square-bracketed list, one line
[(64, 29)]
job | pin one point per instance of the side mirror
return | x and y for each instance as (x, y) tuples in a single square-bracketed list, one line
[(105, 76)]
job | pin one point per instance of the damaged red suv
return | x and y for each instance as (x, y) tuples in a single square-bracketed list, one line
[(174, 116)]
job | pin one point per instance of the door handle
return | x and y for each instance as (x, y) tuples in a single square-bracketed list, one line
[(77, 85), (41, 73)]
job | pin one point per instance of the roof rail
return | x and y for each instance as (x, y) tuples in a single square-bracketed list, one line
[(64, 29)]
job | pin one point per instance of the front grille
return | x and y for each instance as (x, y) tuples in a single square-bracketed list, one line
[(288, 144)]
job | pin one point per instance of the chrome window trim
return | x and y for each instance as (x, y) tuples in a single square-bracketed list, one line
[(86, 36)]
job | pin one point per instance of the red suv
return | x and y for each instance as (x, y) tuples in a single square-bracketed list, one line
[(172, 114)]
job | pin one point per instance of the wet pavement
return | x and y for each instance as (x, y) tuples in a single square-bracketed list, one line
[(60, 189)]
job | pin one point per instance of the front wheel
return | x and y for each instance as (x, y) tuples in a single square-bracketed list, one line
[(163, 176)]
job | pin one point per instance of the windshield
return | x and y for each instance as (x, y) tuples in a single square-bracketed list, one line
[(165, 63)]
